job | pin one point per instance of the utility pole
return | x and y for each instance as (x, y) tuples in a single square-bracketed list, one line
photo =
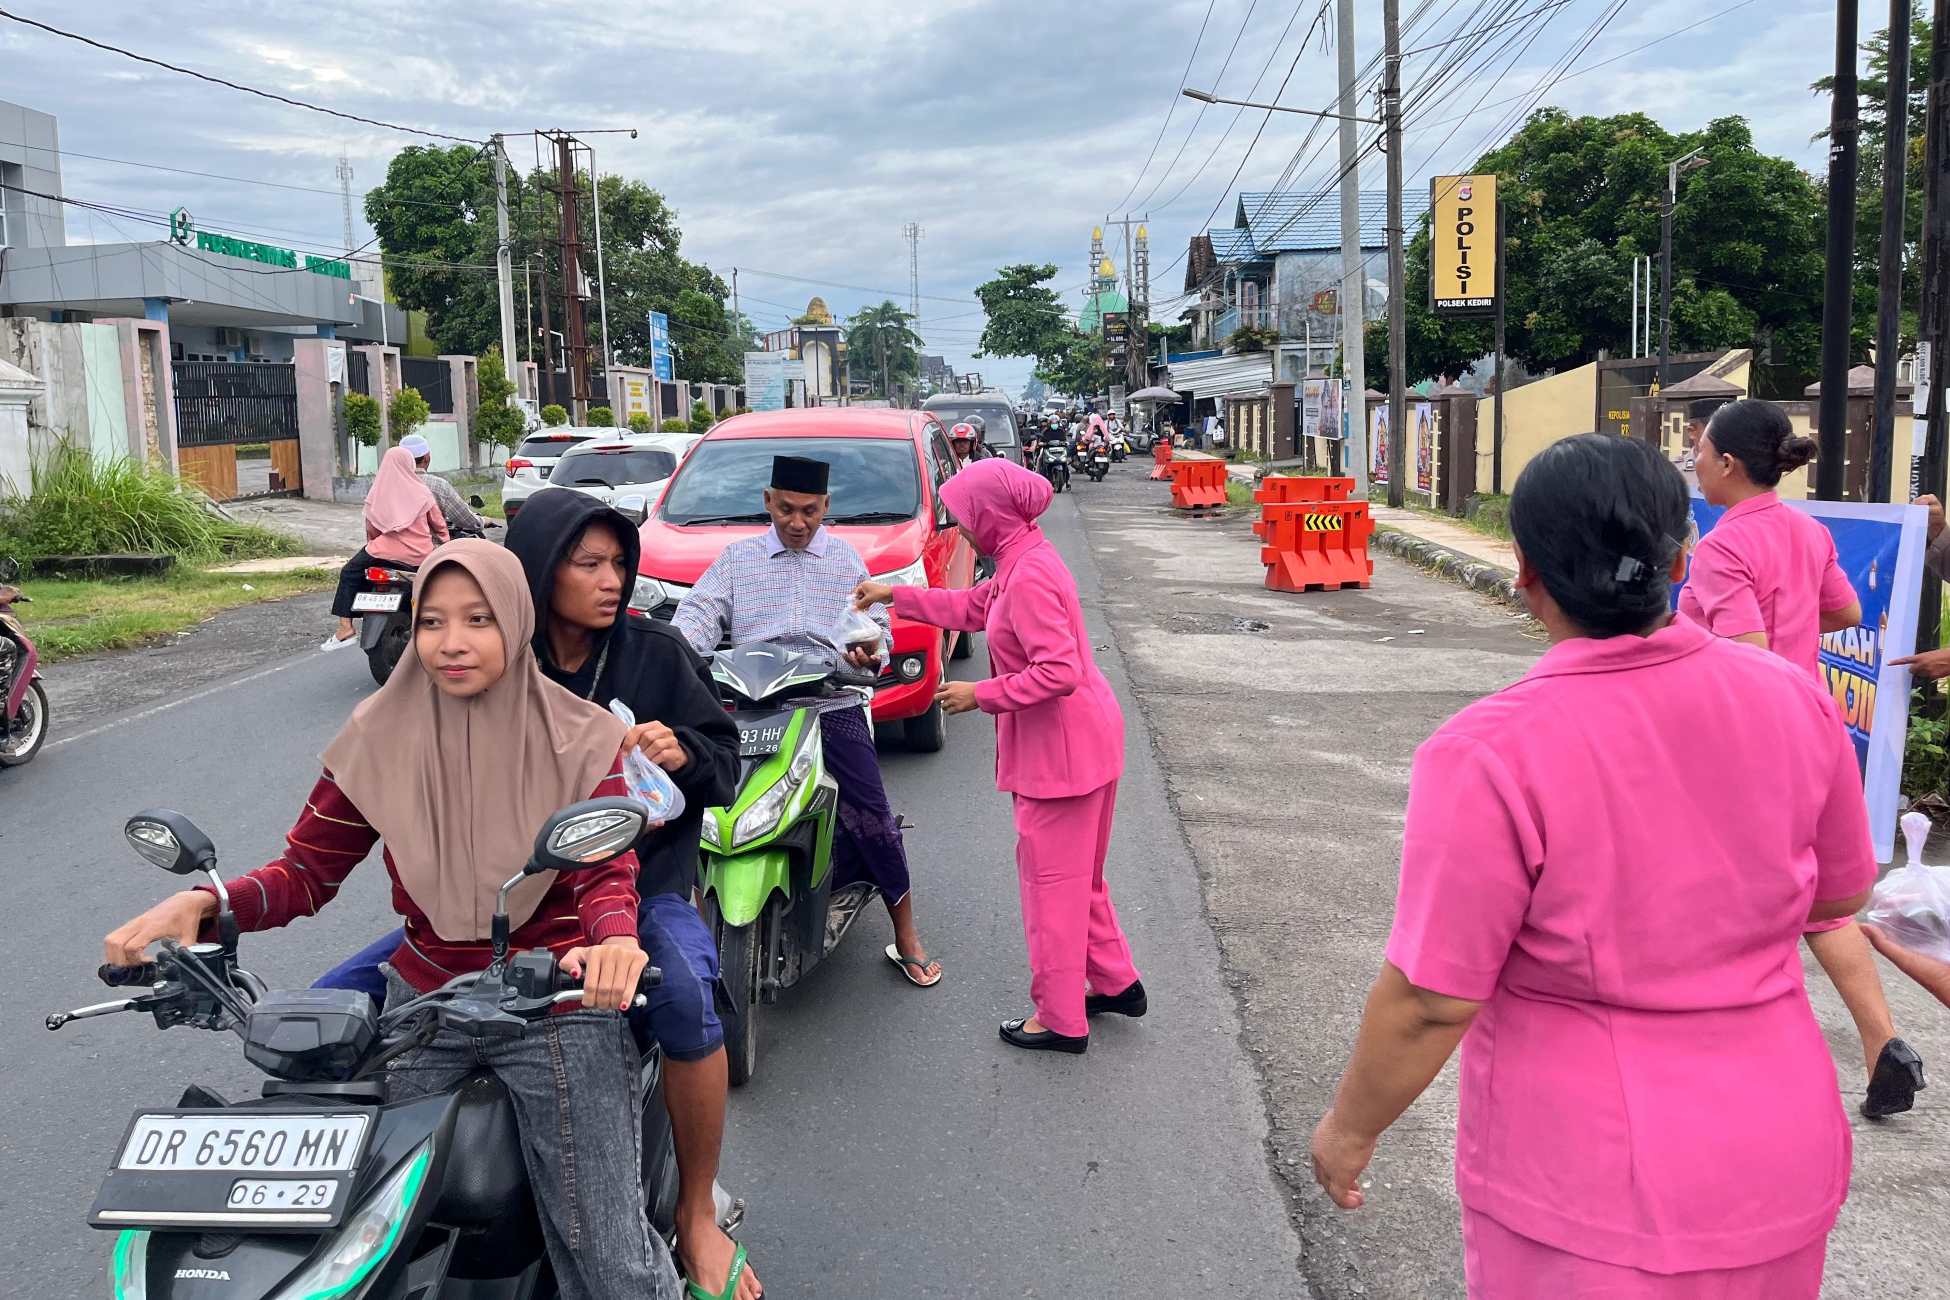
[(1838, 291), (569, 248), (1935, 322), (737, 316), (504, 266), (1391, 114), (602, 281), (1354, 289), (1895, 159), (912, 233)]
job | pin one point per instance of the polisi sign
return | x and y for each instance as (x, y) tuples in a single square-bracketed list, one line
[(1464, 245)]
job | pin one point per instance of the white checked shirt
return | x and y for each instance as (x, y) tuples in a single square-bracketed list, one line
[(760, 589)]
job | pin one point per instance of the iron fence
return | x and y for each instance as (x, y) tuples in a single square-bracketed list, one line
[(433, 378), (234, 401)]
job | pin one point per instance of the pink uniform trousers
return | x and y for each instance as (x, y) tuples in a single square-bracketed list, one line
[(1067, 917), (1503, 1265)]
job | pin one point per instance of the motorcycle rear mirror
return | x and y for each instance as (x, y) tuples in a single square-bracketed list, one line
[(634, 508), (588, 834), (167, 839), (475, 500)]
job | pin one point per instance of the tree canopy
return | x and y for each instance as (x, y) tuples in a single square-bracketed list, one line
[(881, 343), (435, 219), (1581, 197), (1025, 318)]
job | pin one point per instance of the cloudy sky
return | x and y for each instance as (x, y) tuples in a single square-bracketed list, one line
[(795, 137)]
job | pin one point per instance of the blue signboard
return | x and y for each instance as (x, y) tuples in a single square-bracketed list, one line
[(660, 362)]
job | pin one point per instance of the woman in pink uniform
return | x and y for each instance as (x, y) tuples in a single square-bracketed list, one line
[(1767, 574), (1639, 1117), (1059, 748)]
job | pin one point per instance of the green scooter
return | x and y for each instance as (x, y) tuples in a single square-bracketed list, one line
[(766, 869)]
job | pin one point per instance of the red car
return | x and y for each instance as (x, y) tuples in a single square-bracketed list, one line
[(887, 470)]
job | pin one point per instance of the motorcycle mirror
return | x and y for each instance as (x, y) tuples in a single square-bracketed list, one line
[(474, 500), (588, 834), (634, 508), (169, 840)]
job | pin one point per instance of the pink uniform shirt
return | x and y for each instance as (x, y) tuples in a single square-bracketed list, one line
[(1616, 857), (1767, 568)]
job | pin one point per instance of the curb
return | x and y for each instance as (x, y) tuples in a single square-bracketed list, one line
[(1464, 570)]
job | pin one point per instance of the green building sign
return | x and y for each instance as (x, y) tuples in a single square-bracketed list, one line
[(270, 254)]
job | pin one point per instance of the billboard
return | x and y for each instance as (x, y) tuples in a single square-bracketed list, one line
[(765, 381), (660, 361), (1321, 405), (1463, 245)]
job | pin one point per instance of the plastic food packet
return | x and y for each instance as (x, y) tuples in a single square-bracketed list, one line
[(858, 631), (649, 784), (1912, 903)]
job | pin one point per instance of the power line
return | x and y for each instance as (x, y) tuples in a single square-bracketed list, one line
[(1171, 166), (856, 288), (1170, 108), (219, 81)]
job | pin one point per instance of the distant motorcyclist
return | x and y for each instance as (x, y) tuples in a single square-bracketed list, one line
[(460, 517), (966, 439)]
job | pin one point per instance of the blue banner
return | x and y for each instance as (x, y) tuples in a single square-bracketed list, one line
[(1880, 548), (660, 359)]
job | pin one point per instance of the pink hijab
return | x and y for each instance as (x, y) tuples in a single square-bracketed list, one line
[(397, 496), (998, 501)]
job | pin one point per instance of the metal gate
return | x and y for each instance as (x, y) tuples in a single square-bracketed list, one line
[(237, 427)]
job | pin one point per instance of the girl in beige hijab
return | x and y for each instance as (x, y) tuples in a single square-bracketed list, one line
[(454, 764)]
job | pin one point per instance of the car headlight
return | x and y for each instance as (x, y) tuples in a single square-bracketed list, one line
[(765, 814), (355, 1252), (647, 594), (908, 575)]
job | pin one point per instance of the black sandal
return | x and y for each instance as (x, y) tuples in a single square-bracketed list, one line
[(1045, 1040)]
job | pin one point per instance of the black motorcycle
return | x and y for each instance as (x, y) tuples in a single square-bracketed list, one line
[(320, 1187), (384, 604), (1096, 463), (1055, 464)]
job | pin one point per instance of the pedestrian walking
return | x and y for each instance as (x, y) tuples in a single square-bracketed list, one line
[(1059, 748), (1768, 575), (1605, 870), (403, 525)]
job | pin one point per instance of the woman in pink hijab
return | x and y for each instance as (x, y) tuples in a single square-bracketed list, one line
[(403, 525), (1059, 748)]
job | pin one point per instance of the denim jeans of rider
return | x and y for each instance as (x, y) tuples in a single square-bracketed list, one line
[(573, 1081)]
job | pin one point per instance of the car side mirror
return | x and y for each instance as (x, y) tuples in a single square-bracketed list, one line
[(588, 834), (635, 508), (169, 840)]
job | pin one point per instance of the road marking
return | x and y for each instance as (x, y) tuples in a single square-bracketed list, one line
[(204, 694)]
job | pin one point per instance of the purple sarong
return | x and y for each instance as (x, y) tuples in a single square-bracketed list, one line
[(866, 843)]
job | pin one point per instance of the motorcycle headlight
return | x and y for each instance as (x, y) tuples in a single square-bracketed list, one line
[(908, 575), (354, 1253), (708, 829), (647, 594), (763, 817)]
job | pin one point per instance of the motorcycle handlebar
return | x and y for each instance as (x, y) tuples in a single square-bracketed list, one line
[(124, 976)]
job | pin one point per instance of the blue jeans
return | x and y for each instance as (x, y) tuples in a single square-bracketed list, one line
[(682, 1012)]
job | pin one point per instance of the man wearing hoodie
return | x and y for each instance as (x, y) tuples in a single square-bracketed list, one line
[(580, 558)]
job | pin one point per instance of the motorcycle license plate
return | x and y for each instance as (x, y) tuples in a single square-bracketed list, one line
[(762, 735), (377, 602), (255, 1170)]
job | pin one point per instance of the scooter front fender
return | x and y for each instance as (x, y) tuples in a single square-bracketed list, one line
[(742, 882)]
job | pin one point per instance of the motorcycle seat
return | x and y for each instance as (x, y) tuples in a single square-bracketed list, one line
[(486, 1186)]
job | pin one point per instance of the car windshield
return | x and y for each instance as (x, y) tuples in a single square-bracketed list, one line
[(549, 446), (872, 480), (613, 468), (1000, 430)]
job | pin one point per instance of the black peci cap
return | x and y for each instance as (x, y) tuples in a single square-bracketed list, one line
[(800, 474)]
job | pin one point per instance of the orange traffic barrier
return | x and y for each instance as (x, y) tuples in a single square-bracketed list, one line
[(1320, 544), (1160, 458), (1197, 484), (1278, 488)]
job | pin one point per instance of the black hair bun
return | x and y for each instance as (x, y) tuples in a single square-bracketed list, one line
[(1797, 451)]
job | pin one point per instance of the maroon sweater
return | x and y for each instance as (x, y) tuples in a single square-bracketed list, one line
[(332, 837)]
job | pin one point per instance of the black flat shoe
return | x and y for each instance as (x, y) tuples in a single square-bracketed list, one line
[(1047, 1040), (1897, 1080), (1131, 1002)]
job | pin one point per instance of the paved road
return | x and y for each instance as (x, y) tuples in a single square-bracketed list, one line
[(890, 1147)]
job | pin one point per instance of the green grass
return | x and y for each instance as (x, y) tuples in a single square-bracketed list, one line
[(490, 494), (82, 506), (1490, 514), (1237, 493), (83, 616)]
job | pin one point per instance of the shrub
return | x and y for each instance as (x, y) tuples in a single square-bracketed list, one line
[(362, 422), (554, 416), (406, 412), (701, 417), (743, 410), (1248, 338), (676, 426), (82, 506), (499, 421), (639, 422), (601, 417)]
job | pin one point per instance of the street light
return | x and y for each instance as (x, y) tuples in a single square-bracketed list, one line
[(1674, 170), (380, 303), (1206, 97)]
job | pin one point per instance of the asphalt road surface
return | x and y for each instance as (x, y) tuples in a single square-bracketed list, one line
[(890, 1146)]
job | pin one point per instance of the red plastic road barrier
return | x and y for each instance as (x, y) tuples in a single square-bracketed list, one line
[(1197, 484), (1278, 488), (1160, 458), (1320, 544)]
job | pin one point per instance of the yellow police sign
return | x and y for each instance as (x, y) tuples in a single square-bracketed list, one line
[(1463, 245)]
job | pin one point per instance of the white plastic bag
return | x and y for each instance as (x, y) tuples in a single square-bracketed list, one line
[(1912, 903), (649, 784), (858, 631)]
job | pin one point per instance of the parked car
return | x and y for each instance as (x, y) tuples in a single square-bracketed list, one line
[(528, 469), (887, 470), (616, 469), (999, 422)]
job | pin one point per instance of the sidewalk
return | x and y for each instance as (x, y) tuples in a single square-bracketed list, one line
[(327, 529)]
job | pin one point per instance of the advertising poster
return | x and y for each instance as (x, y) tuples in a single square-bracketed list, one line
[(1310, 414), (1378, 443), (1422, 416), (1330, 409), (765, 381), (1881, 550)]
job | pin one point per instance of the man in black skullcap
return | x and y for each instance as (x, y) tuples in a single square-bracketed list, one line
[(794, 583)]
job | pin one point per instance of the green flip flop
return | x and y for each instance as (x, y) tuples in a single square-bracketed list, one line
[(693, 1291)]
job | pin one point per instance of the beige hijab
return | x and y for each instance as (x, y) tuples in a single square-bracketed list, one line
[(458, 788)]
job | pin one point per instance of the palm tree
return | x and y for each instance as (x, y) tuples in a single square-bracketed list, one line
[(884, 333)]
